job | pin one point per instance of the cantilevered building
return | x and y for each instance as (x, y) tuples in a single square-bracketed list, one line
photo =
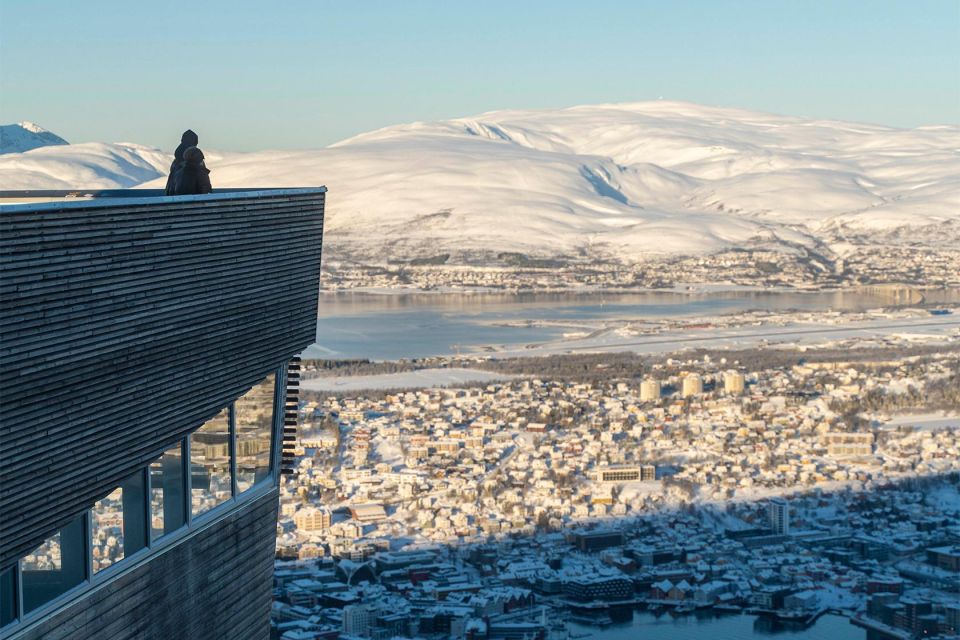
[(145, 350)]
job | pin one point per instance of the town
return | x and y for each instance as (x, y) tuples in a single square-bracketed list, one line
[(922, 267), (697, 484)]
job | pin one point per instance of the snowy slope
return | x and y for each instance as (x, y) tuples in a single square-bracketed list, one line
[(17, 138), (605, 181), (91, 165)]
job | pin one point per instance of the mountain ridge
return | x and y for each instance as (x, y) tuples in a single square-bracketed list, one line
[(591, 182)]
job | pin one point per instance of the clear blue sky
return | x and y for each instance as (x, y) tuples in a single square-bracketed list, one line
[(289, 74)]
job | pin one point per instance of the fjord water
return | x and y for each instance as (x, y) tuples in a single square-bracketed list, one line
[(649, 626), (393, 326)]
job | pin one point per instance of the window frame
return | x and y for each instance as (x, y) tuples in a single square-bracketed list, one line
[(155, 544), (189, 462), (148, 503), (279, 423), (17, 604), (40, 610)]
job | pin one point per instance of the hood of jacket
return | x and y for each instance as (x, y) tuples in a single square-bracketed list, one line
[(187, 140)]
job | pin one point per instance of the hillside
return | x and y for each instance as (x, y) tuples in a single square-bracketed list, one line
[(607, 182)]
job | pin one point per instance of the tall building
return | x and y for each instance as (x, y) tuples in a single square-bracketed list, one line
[(692, 385), (649, 390), (733, 382), (952, 617), (148, 345), (778, 514), (358, 619)]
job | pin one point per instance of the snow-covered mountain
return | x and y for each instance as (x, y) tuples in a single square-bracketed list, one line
[(91, 165), (616, 181), (33, 158), (17, 138)]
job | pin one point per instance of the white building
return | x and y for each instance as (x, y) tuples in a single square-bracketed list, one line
[(733, 382), (358, 619), (312, 519), (692, 385), (621, 473), (649, 390), (842, 444)]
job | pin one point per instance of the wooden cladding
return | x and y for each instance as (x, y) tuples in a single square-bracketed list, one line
[(127, 323)]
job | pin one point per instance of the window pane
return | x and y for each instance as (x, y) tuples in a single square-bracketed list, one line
[(107, 527), (54, 567), (167, 511), (254, 420), (8, 597), (210, 464), (134, 513)]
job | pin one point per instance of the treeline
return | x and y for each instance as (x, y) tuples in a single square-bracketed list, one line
[(598, 367), (580, 367), (772, 358), (364, 367), (938, 394), (601, 367)]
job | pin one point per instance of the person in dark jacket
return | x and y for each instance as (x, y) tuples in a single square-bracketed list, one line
[(187, 140), (193, 177)]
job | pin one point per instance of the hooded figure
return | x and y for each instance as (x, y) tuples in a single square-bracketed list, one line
[(192, 177), (187, 140)]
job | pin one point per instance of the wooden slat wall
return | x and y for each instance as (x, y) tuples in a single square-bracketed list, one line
[(126, 325), (217, 584)]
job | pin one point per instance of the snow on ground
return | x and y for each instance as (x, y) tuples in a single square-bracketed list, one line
[(615, 180), (422, 378), (792, 333), (944, 498), (388, 451), (935, 420)]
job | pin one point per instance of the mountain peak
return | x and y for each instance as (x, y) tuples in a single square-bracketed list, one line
[(24, 136)]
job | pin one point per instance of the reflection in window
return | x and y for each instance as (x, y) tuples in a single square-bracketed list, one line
[(117, 523), (8, 597), (166, 492), (107, 527), (210, 464), (54, 567), (254, 421)]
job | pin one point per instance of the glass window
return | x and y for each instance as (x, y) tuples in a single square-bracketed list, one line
[(167, 511), (8, 597), (55, 567), (134, 513), (253, 413), (210, 479), (117, 523), (107, 527)]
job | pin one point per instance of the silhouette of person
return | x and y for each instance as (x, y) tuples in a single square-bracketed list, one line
[(192, 177), (187, 140)]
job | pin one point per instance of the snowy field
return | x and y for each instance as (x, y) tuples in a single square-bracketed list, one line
[(933, 421), (421, 379), (794, 333)]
